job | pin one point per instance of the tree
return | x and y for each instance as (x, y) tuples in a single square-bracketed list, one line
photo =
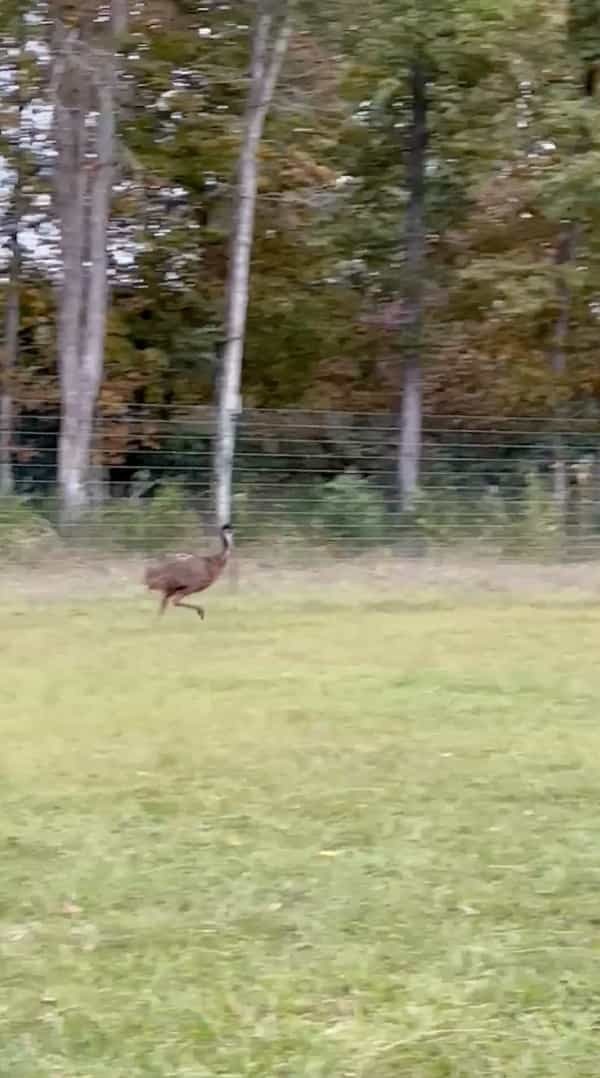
[(409, 451), (427, 85), (583, 36), (85, 90), (13, 39), (526, 259), (270, 40), (418, 179), (10, 351)]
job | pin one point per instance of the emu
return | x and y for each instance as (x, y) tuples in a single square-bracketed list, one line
[(187, 574)]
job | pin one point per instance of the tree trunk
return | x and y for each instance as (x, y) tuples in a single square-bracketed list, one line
[(86, 86), (565, 253), (10, 351), (563, 258), (71, 110), (269, 47), (409, 414), (9, 357), (409, 457)]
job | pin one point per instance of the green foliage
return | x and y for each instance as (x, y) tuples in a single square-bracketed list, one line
[(494, 523), (274, 513), (527, 525), (514, 150), (351, 510), (539, 531), (161, 523), (25, 534), (443, 517), (348, 513), (584, 30)]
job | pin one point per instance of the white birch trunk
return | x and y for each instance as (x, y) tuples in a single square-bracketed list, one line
[(70, 114), (12, 315), (269, 47), (88, 81), (409, 456), (9, 361), (410, 413)]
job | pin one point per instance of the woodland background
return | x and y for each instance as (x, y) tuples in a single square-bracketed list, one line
[(424, 302)]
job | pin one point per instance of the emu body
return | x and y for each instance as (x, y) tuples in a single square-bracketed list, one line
[(187, 574)]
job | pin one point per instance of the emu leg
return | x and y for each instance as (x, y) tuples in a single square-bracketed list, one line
[(177, 600), (163, 605)]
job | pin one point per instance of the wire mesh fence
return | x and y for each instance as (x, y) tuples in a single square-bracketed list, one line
[(315, 480)]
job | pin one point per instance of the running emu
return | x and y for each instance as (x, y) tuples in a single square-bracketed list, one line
[(187, 574)]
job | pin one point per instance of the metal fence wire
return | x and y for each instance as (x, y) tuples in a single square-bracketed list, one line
[(320, 479)]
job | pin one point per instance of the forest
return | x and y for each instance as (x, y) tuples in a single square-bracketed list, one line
[(216, 212)]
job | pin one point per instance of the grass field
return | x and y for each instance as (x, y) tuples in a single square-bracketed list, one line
[(328, 837)]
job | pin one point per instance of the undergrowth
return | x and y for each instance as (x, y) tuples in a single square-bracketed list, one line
[(347, 513)]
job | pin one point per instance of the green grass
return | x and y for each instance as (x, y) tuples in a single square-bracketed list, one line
[(311, 839)]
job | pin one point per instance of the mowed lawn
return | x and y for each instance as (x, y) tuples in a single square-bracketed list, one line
[(308, 838)]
